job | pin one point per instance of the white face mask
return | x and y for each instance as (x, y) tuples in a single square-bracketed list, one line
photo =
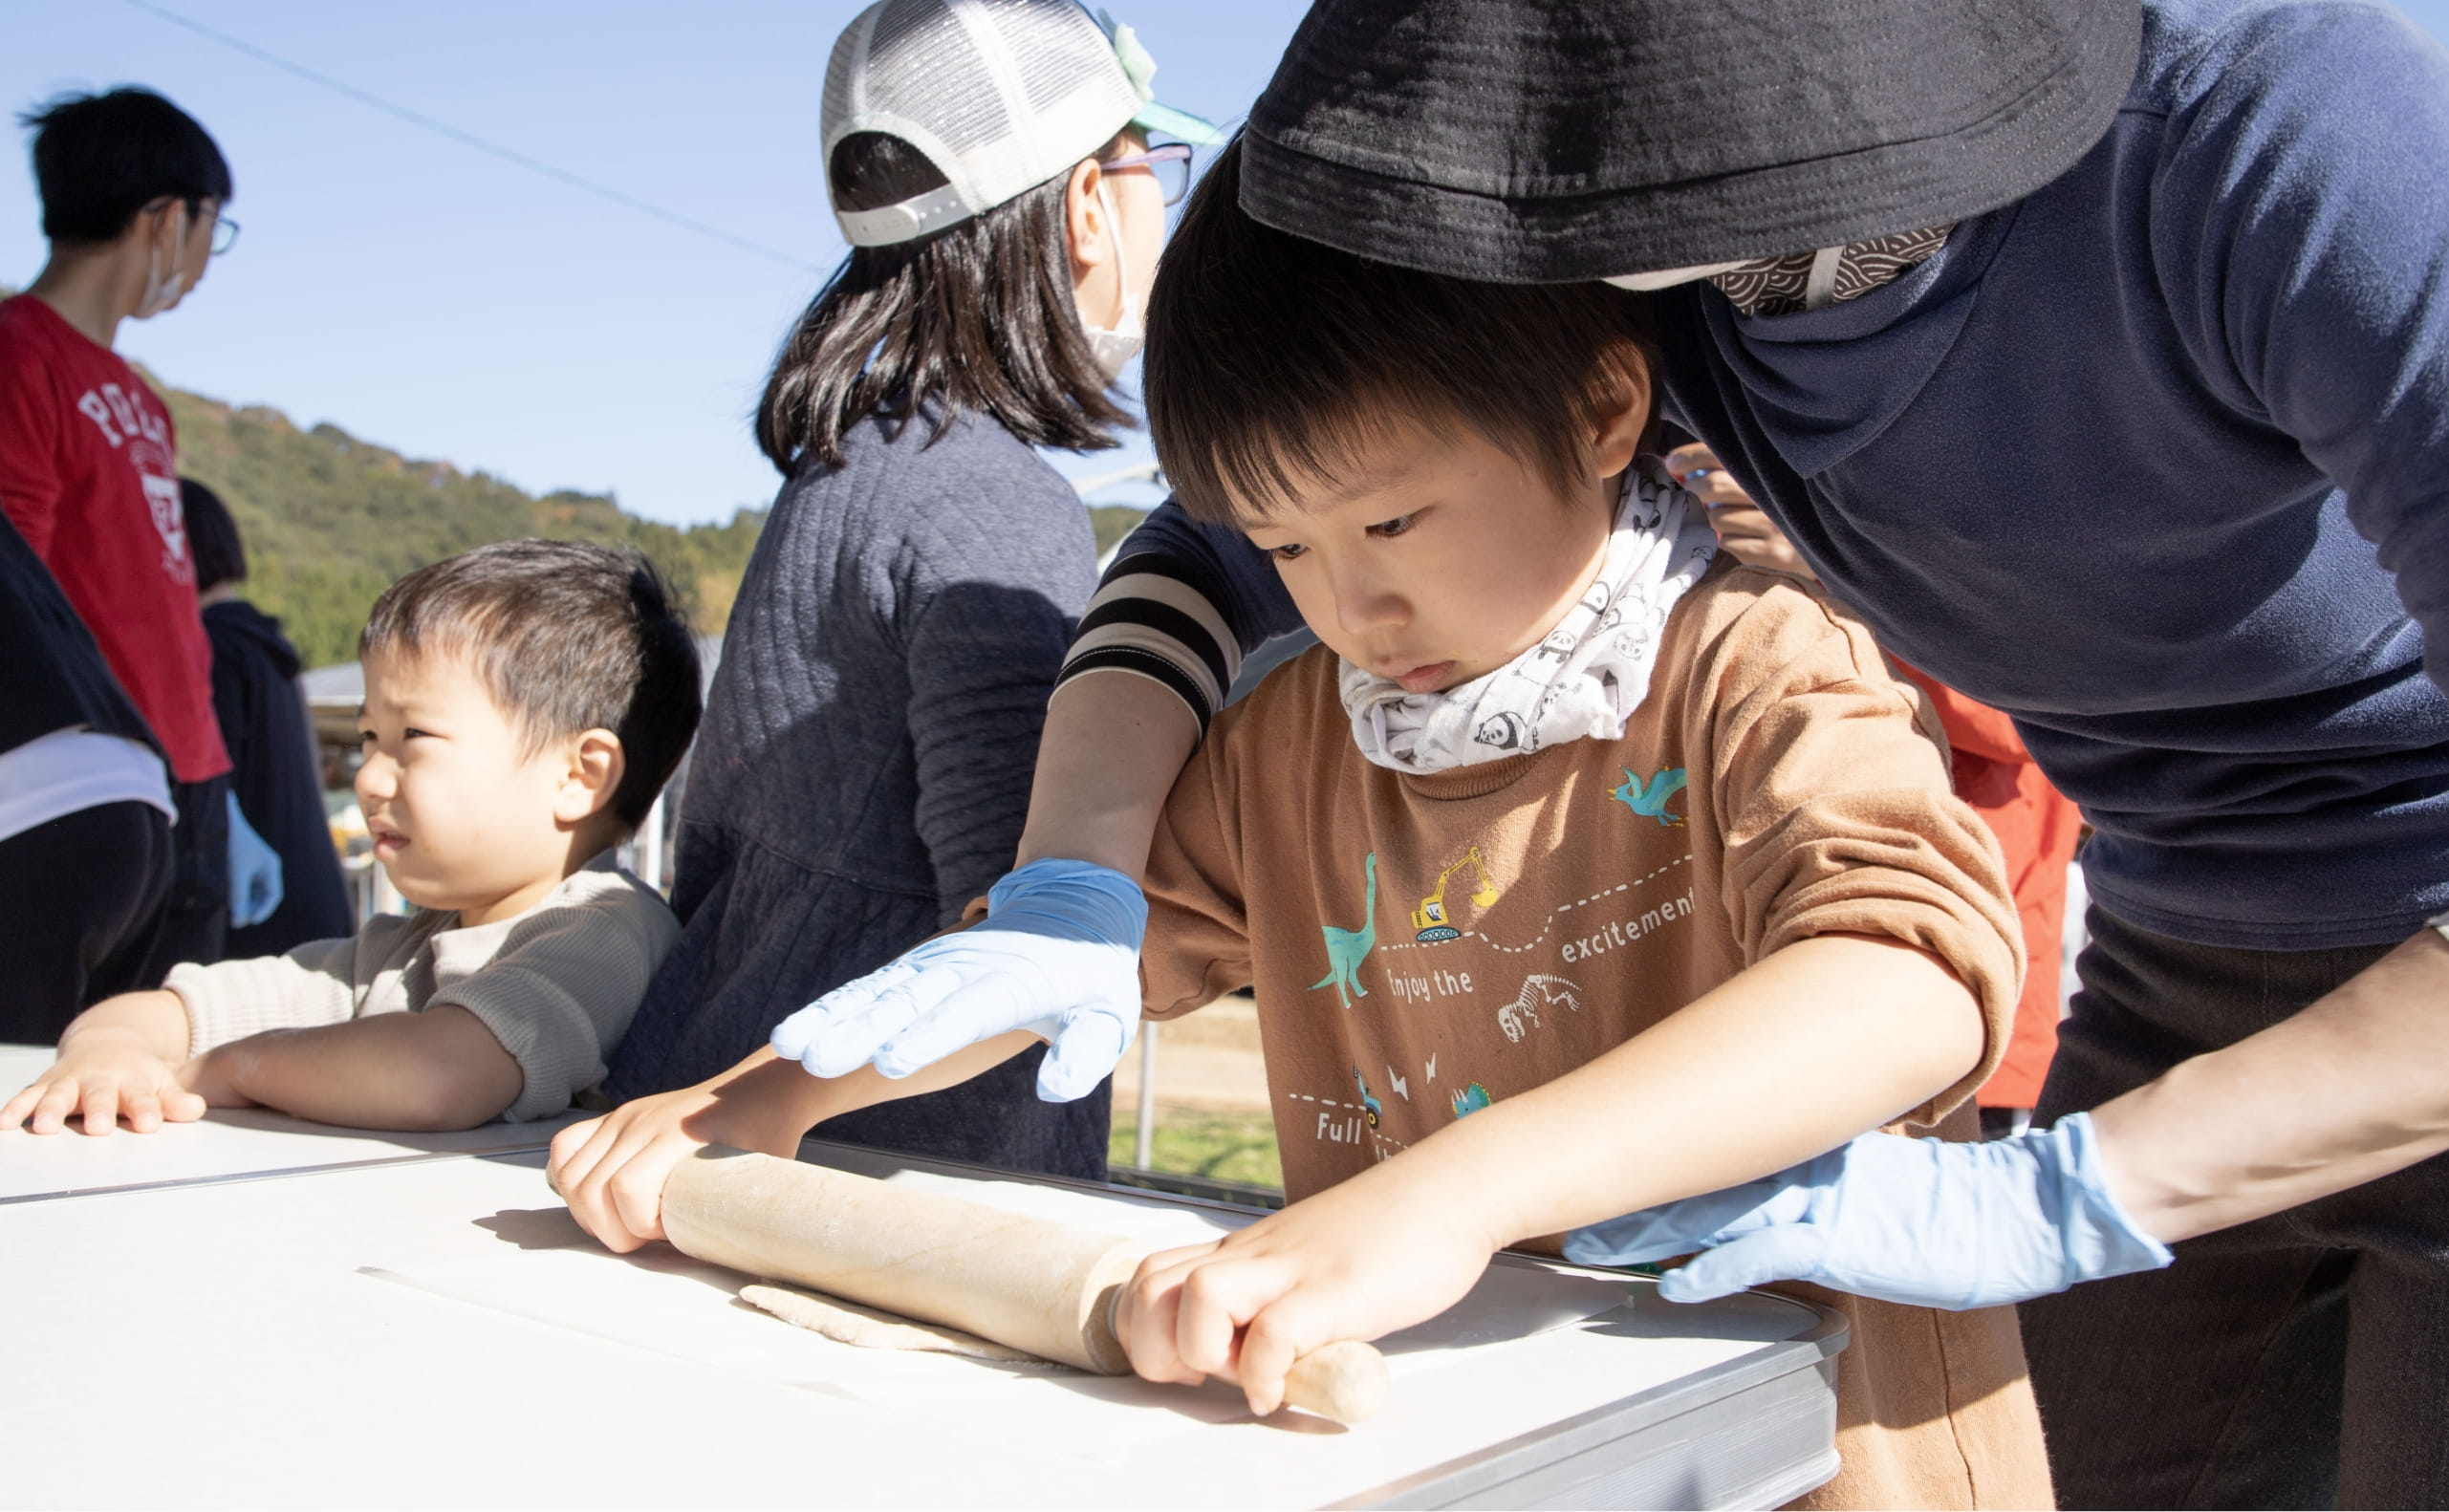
[(161, 289), (1114, 347)]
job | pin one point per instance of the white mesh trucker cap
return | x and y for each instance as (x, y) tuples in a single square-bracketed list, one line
[(1000, 95)]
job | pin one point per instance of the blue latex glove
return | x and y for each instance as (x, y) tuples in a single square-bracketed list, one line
[(1921, 1221), (1057, 955), (254, 873)]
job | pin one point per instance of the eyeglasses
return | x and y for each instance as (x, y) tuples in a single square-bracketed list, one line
[(225, 230), (1170, 163)]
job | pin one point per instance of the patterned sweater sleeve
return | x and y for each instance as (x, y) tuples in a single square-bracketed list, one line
[(1181, 605), (1831, 794)]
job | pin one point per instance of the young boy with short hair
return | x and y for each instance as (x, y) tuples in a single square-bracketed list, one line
[(523, 704), (1579, 864)]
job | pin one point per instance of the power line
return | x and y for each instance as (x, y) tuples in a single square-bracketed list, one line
[(466, 139)]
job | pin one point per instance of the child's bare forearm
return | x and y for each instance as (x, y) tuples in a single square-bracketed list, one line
[(829, 1098), (438, 1070), (159, 1019), (1827, 1039)]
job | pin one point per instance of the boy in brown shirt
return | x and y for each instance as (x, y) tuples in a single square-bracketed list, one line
[(1459, 882), (1580, 869)]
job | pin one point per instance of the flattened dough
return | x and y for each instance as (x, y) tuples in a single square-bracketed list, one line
[(847, 1323)]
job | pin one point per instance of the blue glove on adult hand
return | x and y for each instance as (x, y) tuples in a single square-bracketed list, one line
[(254, 873), (1057, 955), (1919, 1221)]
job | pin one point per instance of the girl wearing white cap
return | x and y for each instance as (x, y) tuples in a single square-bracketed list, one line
[(864, 768)]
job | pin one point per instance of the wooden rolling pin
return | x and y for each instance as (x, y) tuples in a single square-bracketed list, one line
[(1028, 1282)]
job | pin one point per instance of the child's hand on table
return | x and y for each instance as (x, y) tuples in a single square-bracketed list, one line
[(1354, 1262), (104, 1074), (611, 1169)]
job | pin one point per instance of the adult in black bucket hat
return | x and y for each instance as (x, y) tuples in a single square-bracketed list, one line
[(2098, 354), (1532, 142)]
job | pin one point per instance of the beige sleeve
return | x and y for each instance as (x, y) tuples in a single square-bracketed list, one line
[(1833, 799), (311, 984), (1199, 942), (561, 991)]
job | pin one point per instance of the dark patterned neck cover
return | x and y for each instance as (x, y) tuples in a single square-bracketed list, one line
[(1781, 286)]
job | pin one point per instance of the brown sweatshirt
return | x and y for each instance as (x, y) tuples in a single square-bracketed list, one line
[(1424, 945)]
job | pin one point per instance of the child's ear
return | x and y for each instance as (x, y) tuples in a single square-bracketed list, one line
[(593, 776), (1617, 435)]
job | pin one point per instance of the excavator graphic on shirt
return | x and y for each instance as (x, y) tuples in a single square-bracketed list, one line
[(1348, 948), (1429, 919), (1650, 798)]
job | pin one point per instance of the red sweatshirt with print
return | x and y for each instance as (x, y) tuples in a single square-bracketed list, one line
[(89, 475)]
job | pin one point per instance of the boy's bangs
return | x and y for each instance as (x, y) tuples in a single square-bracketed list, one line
[(472, 641), (1275, 365), (1261, 465), (1261, 461), (567, 637)]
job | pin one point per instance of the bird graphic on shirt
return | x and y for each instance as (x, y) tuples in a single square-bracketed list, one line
[(1650, 798), (1348, 948)]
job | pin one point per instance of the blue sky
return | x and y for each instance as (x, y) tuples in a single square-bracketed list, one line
[(431, 298)]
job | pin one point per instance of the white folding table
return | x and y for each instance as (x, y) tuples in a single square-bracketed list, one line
[(233, 1144), (429, 1327)]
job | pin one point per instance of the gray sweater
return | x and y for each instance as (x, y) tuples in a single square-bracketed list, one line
[(864, 765), (555, 985)]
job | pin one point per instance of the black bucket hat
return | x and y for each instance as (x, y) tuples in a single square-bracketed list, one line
[(1546, 141)]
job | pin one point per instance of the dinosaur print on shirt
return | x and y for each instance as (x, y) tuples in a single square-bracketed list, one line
[(1348, 948)]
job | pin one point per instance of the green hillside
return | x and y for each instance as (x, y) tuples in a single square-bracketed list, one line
[(331, 520)]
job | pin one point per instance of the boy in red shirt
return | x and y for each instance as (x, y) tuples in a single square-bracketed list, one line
[(132, 191)]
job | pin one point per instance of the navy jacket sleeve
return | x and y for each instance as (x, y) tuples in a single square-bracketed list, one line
[(2313, 257)]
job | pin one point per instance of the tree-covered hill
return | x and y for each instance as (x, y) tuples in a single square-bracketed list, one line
[(331, 520)]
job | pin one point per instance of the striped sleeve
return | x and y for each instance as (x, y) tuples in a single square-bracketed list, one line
[(1181, 605)]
